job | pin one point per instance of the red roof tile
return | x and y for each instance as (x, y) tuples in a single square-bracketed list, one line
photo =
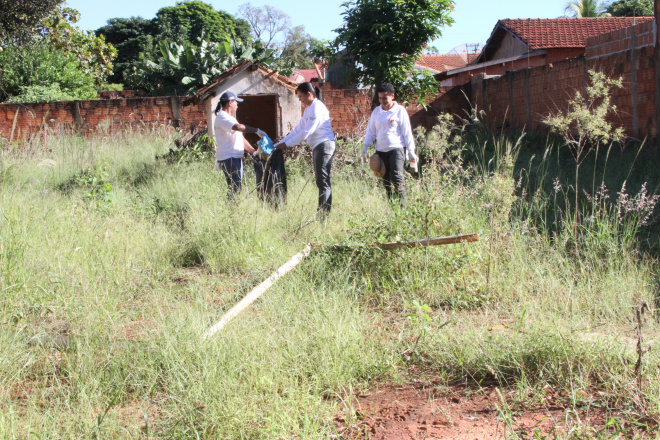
[(207, 91), (306, 74), (548, 33), (444, 62)]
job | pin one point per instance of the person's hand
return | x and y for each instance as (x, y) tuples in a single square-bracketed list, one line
[(364, 157), (414, 161), (260, 132), (258, 152)]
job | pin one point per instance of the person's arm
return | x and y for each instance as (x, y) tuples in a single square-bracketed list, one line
[(308, 124), (281, 145), (370, 135), (408, 139), (247, 129), (247, 147), (406, 132)]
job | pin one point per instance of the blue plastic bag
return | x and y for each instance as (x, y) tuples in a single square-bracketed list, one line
[(266, 144)]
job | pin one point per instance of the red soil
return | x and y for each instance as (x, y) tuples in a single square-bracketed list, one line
[(428, 412)]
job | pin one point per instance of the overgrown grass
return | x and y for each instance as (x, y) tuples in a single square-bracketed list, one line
[(113, 263)]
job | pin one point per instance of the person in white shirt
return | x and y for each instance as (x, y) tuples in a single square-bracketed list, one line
[(389, 126), (230, 141), (314, 127)]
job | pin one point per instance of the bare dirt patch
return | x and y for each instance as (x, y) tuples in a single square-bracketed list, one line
[(436, 412)]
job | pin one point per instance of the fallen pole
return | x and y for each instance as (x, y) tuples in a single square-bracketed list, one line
[(293, 262), (454, 239), (468, 238), (258, 291)]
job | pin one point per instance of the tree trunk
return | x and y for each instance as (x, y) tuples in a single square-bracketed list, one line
[(374, 97)]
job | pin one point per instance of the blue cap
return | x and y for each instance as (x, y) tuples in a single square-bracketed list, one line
[(230, 96)]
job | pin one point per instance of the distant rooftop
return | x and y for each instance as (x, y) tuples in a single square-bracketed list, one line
[(549, 33), (444, 62)]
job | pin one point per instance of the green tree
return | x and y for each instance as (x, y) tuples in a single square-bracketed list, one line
[(630, 8), (586, 8), (384, 38), (58, 61), (131, 37), (321, 50), (182, 68), (94, 55), (136, 38), (266, 23), (193, 19), (293, 46), (297, 48), (39, 72), (19, 17)]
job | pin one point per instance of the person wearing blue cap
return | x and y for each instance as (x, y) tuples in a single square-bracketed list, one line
[(314, 127), (230, 143)]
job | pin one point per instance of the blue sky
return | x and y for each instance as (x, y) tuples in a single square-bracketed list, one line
[(474, 19)]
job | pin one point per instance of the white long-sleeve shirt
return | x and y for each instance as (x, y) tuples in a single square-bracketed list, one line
[(314, 127), (390, 129)]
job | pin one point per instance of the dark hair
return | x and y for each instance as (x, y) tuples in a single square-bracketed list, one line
[(308, 87), (385, 87), (221, 105)]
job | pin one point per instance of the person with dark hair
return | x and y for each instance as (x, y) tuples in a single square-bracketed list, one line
[(389, 126), (315, 128), (230, 141)]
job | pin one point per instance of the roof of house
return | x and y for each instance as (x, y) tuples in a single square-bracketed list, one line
[(444, 62), (209, 90), (549, 33), (303, 75), (554, 33)]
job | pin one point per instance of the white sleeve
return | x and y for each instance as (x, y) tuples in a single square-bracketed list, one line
[(291, 134), (308, 124), (370, 135), (406, 131)]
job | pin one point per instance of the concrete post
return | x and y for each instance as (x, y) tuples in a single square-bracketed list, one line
[(511, 100), (77, 115), (175, 105), (633, 81), (528, 112), (656, 64)]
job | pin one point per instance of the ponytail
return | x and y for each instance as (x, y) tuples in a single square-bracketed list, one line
[(307, 87)]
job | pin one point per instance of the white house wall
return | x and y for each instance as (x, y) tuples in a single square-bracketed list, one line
[(256, 83)]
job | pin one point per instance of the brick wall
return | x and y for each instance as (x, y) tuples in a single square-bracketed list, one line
[(613, 54), (349, 110), (524, 98), (23, 121), (451, 100)]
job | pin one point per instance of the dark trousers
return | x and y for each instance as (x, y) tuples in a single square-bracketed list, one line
[(233, 171), (393, 178), (322, 155), (271, 178)]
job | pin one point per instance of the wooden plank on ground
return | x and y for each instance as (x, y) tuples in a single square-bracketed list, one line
[(258, 291), (454, 239)]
